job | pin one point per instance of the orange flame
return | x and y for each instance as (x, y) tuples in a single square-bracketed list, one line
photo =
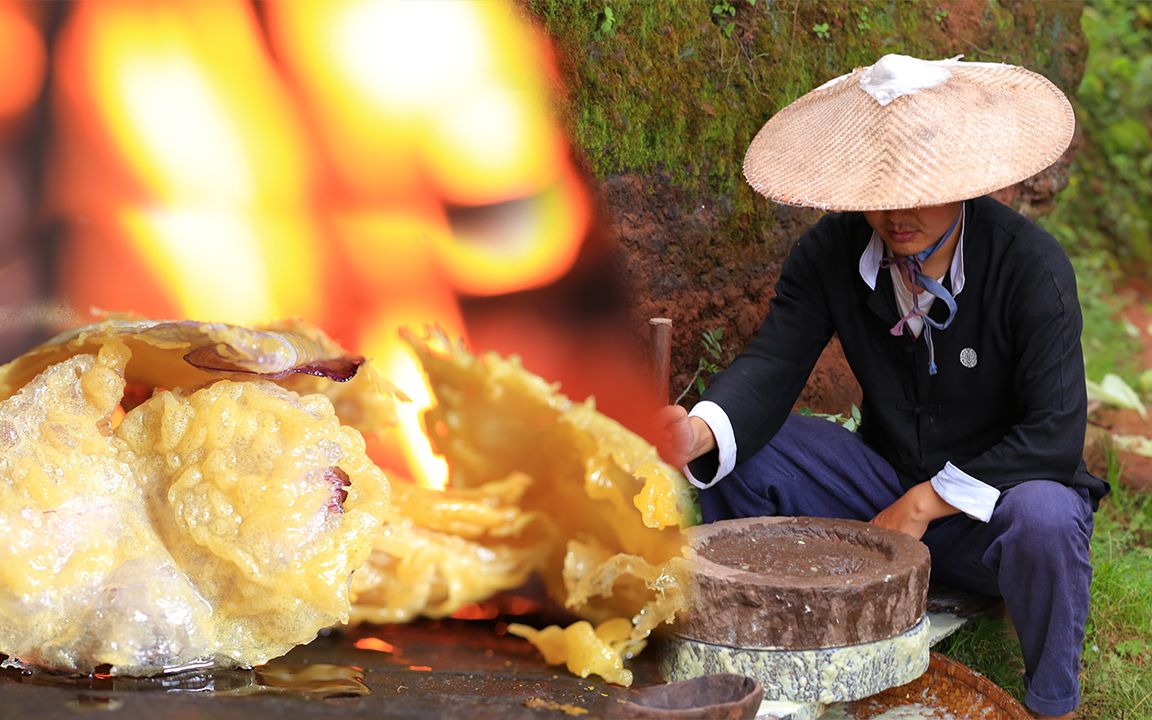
[(360, 164), (23, 57), (375, 644)]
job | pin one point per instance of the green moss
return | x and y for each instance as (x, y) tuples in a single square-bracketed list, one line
[(668, 91), (1108, 204)]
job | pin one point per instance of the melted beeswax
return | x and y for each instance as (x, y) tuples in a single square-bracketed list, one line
[(608, 511), (218, 524)]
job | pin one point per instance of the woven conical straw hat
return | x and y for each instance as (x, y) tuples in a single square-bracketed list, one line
[(955, 130)]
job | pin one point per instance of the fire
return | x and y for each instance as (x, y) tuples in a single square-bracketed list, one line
[(22, 55), (375, 644), (361, 164)]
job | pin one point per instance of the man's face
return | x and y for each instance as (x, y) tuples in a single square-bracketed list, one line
[(907, 232)]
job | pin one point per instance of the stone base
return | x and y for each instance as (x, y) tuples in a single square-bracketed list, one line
[(824, 675), (784, 710)]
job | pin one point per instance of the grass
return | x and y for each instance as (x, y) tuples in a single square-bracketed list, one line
[(1116, 669), (1108, 348)]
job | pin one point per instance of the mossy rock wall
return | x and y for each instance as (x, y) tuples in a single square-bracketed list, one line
[(663, 96)]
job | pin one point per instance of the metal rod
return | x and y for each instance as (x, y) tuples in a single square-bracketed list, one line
[(660, 337)]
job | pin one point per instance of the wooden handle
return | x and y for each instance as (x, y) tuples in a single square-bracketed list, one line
[(660, 338)]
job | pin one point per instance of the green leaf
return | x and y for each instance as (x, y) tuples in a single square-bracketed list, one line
[(711, 341), (1112, 390)]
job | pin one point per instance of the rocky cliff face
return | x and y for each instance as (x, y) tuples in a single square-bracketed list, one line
[(664, 97)]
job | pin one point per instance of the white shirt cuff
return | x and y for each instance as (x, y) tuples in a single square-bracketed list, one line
[(717, 421), (970, 496)]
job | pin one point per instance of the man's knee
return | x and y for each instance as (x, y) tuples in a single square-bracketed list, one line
[(1045, 515)]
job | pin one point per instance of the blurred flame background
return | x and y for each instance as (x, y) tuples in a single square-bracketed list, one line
[(362, 164)]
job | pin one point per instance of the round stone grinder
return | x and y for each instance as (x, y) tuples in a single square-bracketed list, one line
[(818, 610)]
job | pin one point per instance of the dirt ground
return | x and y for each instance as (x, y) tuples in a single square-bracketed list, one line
[(679, 267)]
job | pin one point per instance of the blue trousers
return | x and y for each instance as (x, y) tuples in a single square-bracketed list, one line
[(1033, 552)]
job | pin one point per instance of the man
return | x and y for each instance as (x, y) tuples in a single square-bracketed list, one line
[(959, 318)]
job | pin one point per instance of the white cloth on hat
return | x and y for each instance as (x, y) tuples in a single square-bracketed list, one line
[(895, 76)]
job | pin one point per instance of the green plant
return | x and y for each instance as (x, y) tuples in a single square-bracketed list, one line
[(863, 18), (1108, 203), (707, 365), (724, 15), (606, 22), (723, 10), (940, 15), (821, 30), (851, 421)]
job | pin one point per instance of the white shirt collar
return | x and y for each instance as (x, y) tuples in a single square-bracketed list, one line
[(870, 260)]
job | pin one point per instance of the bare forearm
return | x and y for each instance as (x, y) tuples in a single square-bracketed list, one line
[(912, 512)]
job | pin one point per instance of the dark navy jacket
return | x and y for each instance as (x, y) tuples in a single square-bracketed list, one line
[(1019, 413)]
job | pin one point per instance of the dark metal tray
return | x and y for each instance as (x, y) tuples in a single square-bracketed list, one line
[(427, 669)]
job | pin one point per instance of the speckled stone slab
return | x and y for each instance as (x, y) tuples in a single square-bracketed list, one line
[(784, 710), (822, 675)]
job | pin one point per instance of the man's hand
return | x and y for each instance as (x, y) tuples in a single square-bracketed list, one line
[(681, 439), (914, 510)]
